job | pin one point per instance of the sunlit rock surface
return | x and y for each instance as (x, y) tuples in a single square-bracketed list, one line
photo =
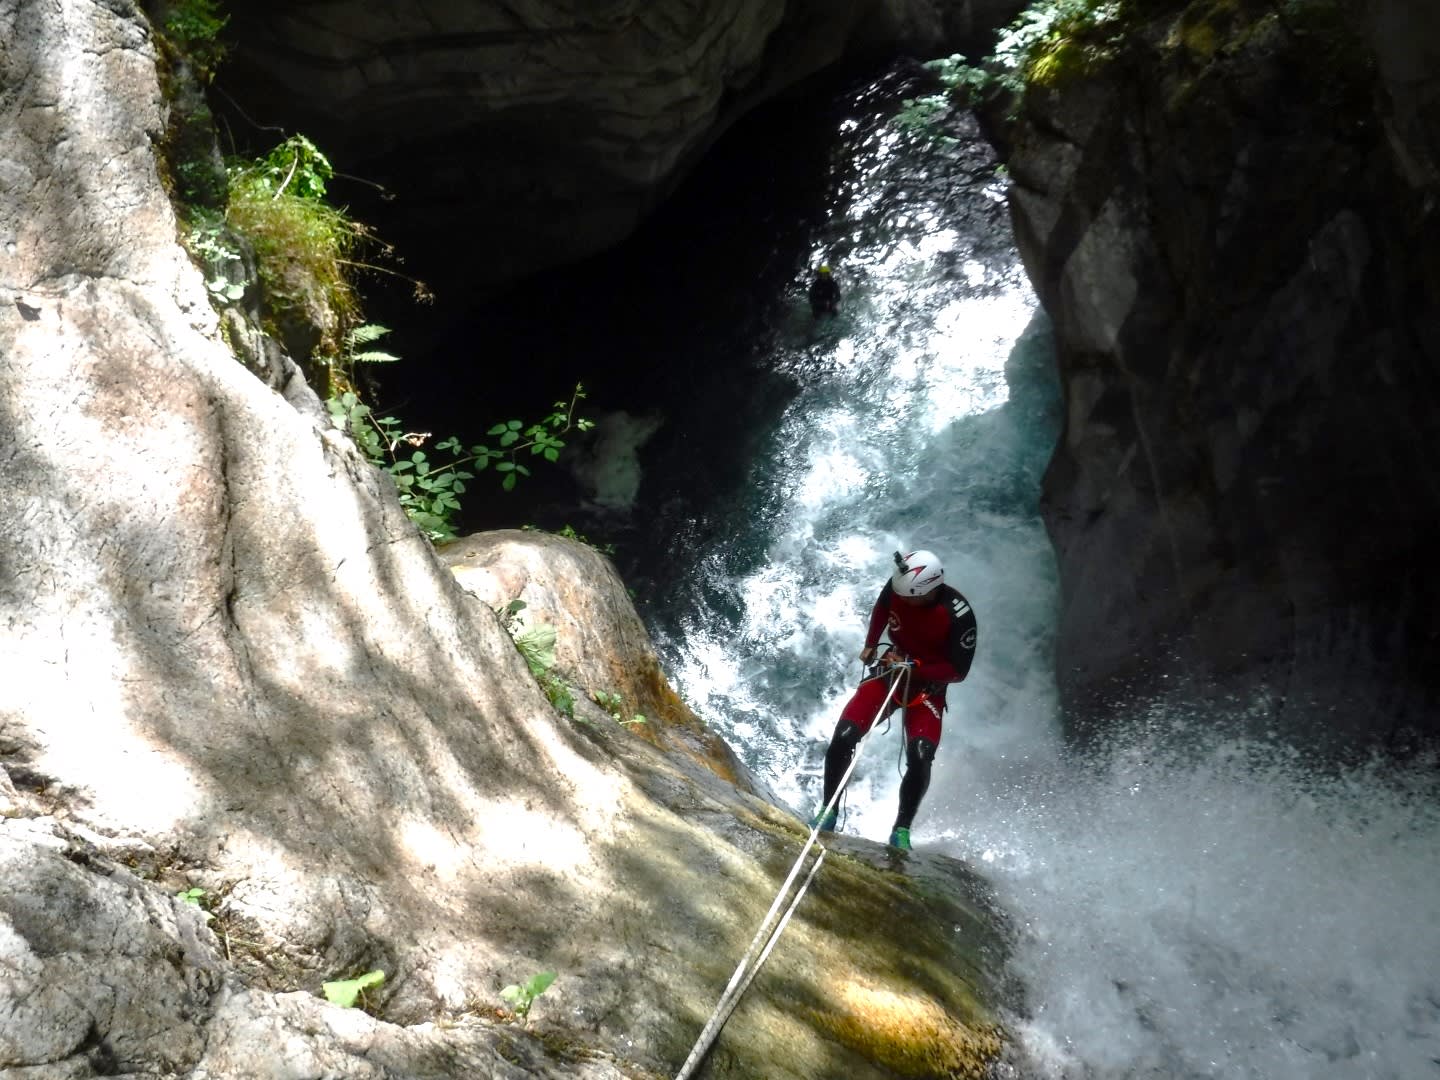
[(229, 664), (1234, 225), (526, 134), (602, 650)]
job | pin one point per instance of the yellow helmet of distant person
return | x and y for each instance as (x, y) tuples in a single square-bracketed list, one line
[(823, 270)]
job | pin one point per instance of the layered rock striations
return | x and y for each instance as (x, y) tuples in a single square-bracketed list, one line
[(230, 667), (529, 133), (1233, 220)]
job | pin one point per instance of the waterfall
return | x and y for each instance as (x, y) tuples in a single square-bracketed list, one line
[(1222, 911)]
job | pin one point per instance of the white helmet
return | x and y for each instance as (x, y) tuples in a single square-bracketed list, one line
[(917, 573)]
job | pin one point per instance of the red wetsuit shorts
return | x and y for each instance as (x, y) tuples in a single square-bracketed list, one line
[(923, 707)]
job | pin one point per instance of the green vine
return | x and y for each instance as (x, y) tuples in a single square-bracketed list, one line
[(430, 488)]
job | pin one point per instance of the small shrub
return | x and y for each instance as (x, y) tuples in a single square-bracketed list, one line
[(614, 704), (522, 995), (199, 898), (537, 645), (1049, 41), (1053, 39), (305, 248)]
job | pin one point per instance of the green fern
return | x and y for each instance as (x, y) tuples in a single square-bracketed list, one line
[(364, 335), (537, 645)]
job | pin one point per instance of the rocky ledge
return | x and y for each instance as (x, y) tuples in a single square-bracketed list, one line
[(1234, 221)]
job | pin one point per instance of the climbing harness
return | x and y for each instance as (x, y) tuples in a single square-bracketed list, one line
[(766, 936)]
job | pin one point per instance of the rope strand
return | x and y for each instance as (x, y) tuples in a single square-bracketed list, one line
[(745, 972)]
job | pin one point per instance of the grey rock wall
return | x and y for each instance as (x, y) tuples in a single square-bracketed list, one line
[(1234, 225), (601, 645), (522, 135)]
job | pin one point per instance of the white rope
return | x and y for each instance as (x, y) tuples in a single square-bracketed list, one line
[(745, 972), (729, 1007)]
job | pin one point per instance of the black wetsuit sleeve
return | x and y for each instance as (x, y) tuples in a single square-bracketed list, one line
[(963, 631)]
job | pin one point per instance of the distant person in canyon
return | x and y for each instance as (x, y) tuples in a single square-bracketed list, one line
[(824, 293), (931, 630)]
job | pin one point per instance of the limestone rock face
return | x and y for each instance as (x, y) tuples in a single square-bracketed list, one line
[(602, 649), (1234, 225), (229, 664), (529, 133)]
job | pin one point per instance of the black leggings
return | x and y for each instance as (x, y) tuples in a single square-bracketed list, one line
[(919, 753)]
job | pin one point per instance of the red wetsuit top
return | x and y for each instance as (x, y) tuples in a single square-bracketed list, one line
[(939, 637)]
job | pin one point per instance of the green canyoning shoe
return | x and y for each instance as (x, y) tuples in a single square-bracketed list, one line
[(900, 838), (823, 821)]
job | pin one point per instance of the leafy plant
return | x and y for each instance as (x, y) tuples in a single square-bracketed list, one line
[(536, 644), (207, 239), (296, 164), (198, 897), (1050, 36), (347, 993), (1048, 40), (522, 995), (614, 704), (305, 249), (430, 489), (193, 27), (923, 115), (541, 439), (1052, 39), (962, 81), (559, 693)]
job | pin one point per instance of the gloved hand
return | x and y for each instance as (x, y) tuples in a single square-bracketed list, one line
[(867, 655), (894, 658)]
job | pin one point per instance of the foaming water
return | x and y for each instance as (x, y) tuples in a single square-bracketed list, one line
[(1205, 907), (1225, 911), (909, 426)]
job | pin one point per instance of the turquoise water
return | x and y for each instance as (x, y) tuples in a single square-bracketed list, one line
[(1222, 911)]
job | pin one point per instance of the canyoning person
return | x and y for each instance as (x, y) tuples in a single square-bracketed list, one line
[(824, 293), (931, 631)]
